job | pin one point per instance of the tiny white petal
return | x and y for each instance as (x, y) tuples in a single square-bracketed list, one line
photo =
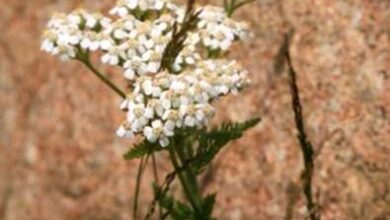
[(105, 58), (166, 103), (156, 124), (149, 113), (189, 121), (114, 60), (129, 74), (147, 87), (164, 141), (153, 67)]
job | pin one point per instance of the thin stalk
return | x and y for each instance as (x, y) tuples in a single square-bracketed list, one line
[(156, 179), (184, 182), (154, 166), (141, 169), (225, 5), (188, 171), (232, 6), (103, 77)]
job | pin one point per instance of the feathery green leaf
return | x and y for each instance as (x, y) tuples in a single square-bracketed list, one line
[(211, 142), (177, 210), (141, 149)]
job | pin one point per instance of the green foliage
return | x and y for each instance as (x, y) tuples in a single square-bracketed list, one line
[(208, 204), (197, 149), (211, 142), (142, 149), (231, 6), (175, 209)]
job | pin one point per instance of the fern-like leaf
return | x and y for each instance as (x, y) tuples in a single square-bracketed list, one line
[(176, 209), (211, 142), (142, 149), (208, 204)]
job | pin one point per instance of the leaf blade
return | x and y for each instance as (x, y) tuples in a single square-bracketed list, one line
[(142, 149)]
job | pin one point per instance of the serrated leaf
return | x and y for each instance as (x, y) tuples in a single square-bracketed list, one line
[(177, 210), (208, 204), (183, 210), (211, 142), (141, 149)]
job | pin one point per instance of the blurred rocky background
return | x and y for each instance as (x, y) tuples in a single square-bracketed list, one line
[(60, 159)]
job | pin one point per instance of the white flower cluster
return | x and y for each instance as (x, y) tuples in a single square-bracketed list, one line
[(66, 34), (161, 103), (217, 31), (126, 7), (135, 41), (138, 46)]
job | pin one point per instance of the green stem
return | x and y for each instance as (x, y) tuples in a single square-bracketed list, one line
[(184, 182), (101, 76), (233, 6), (156, 179), (138, 184), (231, 9), (154, 166), (189, 172)]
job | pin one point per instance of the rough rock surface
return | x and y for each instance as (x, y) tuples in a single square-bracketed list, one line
[(59, 158)]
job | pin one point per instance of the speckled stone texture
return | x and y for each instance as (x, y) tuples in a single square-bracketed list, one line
[(60, 159)]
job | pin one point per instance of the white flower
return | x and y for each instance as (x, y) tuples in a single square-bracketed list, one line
[(106, 43), (120, 34), (133, 67), (156, 106), (198, 94), (153, 66), (48, 43), (166, 99), (64, 52), (91, 41), (188, 113), (153, 60), (147, 87), (192, 39), (139, 116), (75, 17), (91, 21), (157, 5), (169, 127), (125, 131), (113, 56), (179, 12), (129, 74), (110, 58), (132, 4), (158, 131), (142, 5), (172, 117), (217, 30), (69, 36), (119, 10), (178, 86)]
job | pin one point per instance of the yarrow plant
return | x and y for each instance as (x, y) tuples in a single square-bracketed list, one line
[(174, 60)]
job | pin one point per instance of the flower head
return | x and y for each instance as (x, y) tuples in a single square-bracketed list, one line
[(176, 101), (160, 101)]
